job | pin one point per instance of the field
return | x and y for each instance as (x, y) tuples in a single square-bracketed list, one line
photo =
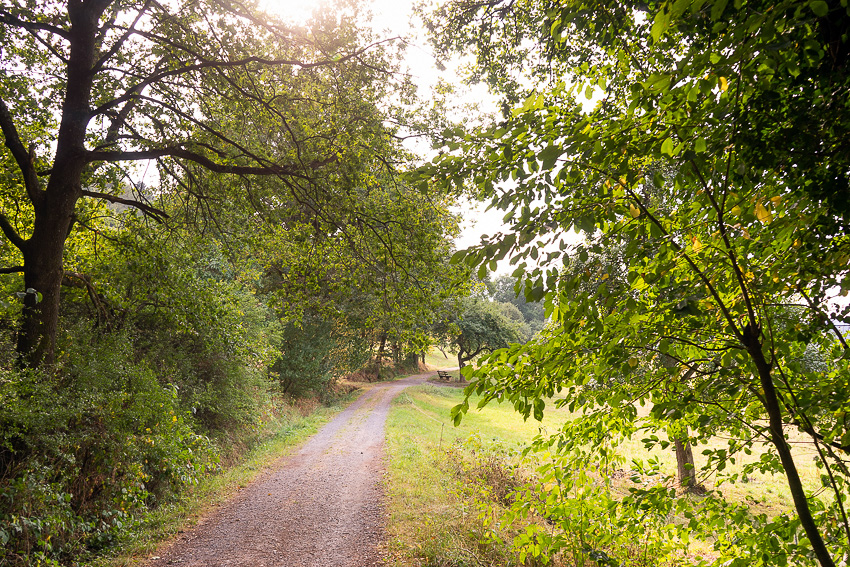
[(440, 475)]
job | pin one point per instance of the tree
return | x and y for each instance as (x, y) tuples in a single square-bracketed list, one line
[(504, 289), (479, 327), (716, 159), (91, 88), (382, 280)]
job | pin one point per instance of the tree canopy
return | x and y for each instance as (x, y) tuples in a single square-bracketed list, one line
[(479, 326), (702, 148), (89, 89)]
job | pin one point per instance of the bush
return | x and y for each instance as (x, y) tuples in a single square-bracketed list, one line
[(88, 445)]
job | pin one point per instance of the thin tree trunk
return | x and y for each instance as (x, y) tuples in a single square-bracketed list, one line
[(379, 358), (777, 435), (685, 464)]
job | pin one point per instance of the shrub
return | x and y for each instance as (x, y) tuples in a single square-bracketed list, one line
[(88, 445)]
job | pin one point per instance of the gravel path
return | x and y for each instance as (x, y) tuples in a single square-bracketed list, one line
[(319, 507)]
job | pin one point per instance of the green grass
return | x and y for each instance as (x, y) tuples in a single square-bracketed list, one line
[(432, 520), (168, 520), (435, 359)]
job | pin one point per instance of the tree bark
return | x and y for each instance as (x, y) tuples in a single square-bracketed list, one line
[(54, 206), (685, 465), (379, 358), (43, 272), (774, 411)]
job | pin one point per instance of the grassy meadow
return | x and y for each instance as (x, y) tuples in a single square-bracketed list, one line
[(435, 359), (442, 477)]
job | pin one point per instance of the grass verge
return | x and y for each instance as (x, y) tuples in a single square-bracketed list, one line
[(165, 522), (433, 488)]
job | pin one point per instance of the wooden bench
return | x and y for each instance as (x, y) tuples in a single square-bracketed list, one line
[(443, 375)]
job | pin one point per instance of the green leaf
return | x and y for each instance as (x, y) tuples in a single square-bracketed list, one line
[(549, 156), (667, 147), (537, 292), (458, 257), (660, 24), (819, 7), (717, 9), (679, 7), (699, 145), (538, 409)]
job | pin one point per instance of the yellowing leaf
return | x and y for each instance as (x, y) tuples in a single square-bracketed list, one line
[(634, 211), (746, 233), (633, 362), (697, 244), (776, 200), (724, 84), (736, 210), (762, 214)]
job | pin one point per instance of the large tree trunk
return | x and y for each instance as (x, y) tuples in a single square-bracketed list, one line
[(54, 206), (43, 272)]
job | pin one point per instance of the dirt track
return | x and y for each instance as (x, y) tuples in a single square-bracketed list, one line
[(321, 506)]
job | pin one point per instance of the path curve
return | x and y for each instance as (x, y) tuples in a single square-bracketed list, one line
[(319, 507)]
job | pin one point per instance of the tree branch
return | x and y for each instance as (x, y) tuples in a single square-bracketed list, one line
[(700, 274), (10, 233), (8, 19), (96, 68), (12, 270), (205, 64), (158, 214), (102, 313), (207, 163), (24, 158)]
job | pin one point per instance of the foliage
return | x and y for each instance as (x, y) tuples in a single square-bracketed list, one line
[(161, 370), (504, 290), (92, 94), (710, 264), (480, 326), (368, 284), (277, 242), (83, 451), (313, 353)]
